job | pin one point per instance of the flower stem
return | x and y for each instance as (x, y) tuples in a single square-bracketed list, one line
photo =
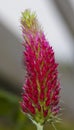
[(39, 127)]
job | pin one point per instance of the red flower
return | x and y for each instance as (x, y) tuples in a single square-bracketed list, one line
[(41, 88)]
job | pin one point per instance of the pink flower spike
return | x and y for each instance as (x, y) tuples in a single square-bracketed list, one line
[(40, 98)]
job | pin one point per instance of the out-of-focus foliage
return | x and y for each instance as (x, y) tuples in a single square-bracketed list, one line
[(11, 117)]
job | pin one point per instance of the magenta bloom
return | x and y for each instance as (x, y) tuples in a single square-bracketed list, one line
[(41, 88)]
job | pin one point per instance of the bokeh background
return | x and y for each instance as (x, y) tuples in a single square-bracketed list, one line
[(57, 19)]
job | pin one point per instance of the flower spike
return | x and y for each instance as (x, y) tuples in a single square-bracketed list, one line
[(40, 97)]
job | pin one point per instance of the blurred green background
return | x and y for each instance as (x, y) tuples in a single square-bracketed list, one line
[(57, 20)]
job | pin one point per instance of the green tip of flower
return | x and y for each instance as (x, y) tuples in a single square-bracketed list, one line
[(28, 18)]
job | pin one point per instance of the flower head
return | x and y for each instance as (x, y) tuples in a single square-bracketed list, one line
[(41, 88)]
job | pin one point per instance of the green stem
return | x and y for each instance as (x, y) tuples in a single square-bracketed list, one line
[(39, 127)]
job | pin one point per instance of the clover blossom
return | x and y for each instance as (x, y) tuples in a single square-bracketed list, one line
[(40, 98)]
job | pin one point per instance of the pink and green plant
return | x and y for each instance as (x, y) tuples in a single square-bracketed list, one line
[(40, 98)]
